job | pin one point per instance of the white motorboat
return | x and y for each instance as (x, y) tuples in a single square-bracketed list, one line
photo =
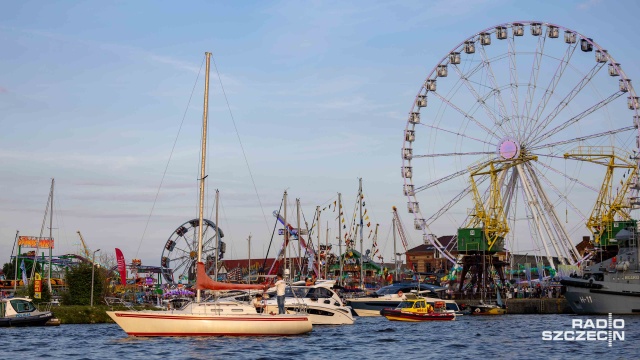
[(319, 301), (216, 318)]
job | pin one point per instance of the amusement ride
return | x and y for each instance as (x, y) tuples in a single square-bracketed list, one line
[(522, 139)]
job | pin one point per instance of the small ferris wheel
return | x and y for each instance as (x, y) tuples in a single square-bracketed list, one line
[(180, 253)]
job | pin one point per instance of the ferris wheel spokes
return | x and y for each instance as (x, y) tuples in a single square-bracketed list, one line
[(533, 78), (536, 211), (581, 138), (562, 104), (562, 196), (566, 251), (551, 88), (468, 116)]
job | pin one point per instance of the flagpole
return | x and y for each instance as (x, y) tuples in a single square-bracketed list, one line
[(15, 270), (362, 284), (318, 250), (340, 233)]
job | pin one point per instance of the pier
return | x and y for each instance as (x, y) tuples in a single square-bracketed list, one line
[(531, 306)]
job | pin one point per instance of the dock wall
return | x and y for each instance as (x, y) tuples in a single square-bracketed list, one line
[(531, 306)]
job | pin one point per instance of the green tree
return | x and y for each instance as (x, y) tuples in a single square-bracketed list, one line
[(78, 280), (9, 270)]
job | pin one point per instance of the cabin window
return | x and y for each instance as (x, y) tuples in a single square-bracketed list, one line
[(21, 306)]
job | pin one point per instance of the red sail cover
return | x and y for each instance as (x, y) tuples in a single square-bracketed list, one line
[(204, 282), (122, 267)]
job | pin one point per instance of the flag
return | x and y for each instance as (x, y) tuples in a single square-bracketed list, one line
[(235, 274), (540, 271), (23, 269), (527, 271), (122, 267)]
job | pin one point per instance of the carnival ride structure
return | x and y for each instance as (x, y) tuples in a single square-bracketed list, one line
[(502, 142)]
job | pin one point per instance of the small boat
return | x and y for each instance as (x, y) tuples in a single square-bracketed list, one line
[(487, 309), (21, 312), (415, 308)]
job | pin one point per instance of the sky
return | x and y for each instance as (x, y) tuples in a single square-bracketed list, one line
[(94, 93)]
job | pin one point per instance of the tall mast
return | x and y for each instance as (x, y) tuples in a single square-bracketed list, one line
[(202, 164), (218, 242), (44, 221), (15, 266), (326, 253), (395, 260), (53, 181), (340, 234), (299, 241), (249, 240), (361, 237), (318, 248), (286, 236)]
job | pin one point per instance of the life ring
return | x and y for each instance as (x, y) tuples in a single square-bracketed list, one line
[(400, 293), (477, 310)]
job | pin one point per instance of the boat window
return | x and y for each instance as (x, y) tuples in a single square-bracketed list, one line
[(405, 305), (21, 306), (387, 290), (299, 292), (419, 304), (452, 306), (321, 293)]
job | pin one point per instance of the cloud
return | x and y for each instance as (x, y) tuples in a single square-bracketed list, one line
[(588, 4), (122, 50)]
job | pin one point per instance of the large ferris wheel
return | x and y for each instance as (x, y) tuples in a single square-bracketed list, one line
[(527, 133)]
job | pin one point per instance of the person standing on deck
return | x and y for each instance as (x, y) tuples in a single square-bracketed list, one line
[(280, 288)]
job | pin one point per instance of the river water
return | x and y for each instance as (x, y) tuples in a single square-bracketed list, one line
[(469, 337)]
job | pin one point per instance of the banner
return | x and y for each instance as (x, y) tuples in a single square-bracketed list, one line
[(37, 287), (35, 242), (540, 271), (122, 267)]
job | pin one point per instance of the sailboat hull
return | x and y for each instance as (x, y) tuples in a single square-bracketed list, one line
[(164, 323)]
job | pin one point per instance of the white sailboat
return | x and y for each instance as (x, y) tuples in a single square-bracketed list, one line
[(215, 318)]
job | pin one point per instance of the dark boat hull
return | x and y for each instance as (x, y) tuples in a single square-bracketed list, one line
[(487, 310), (398, 315), (33, 320)]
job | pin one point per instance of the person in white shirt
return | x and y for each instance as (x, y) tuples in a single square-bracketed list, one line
[(280, 288)]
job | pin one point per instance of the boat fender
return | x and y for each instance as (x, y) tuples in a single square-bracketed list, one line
[(477, 310), (400, 293)]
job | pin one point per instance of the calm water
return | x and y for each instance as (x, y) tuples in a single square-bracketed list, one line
[(505, 337)]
